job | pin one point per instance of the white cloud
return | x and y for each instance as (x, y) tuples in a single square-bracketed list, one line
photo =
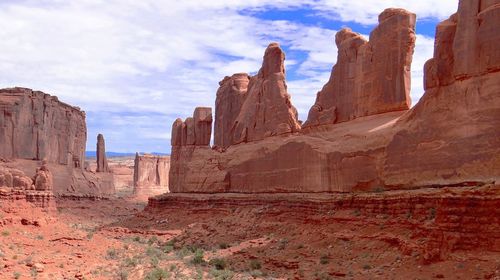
[(366, 12), (147, 62)]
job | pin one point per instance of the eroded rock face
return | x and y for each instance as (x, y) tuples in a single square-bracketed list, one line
[(194, 131), (230, 97), (151, 174), (452, 135), (102, 162), (267, 109), (370, 77), (43, 178), (35, 125), (15, 185), (450, 138)]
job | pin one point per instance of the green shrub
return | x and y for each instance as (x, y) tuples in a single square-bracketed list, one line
[(223, 245), (324, 259), (157, 274), (198, 257), (225, 274), (112, 254), (218, 264), (255, 264)]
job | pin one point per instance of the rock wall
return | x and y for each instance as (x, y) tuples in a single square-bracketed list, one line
[(370, 77), (35, 125), (450, 138), (452, 135), (230, 97), (151, 174)]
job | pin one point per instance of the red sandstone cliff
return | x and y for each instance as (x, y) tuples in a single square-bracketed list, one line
[(370, 77), (151, 174), (450, 137), (35, 126)]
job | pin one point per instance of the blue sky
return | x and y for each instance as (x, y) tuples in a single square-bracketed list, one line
[(135, 66)]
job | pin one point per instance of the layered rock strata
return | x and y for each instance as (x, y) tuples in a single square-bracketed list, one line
[(433, 223), (450, 137), (370, 77), (35, 125), (151, 174), (15, 185)]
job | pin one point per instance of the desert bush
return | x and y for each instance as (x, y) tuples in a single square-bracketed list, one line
[(157, 274), (324, 259), (218, 264), (255, 264), (111, 254), (198, 257), (223, 245), (225, 274)]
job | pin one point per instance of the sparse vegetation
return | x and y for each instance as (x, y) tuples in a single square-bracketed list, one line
[(33, 272), (324, 259), (39, 237), (5, 233), (123, 275), (432, 213), (152, 240), (322, 276), (225, 274), (17, 275), (367, 266), (356, 212), (198, 257), (282, 244), (255, 264), (157, 274), (218, 263), (223, 245), (111, 254), (131, 262)]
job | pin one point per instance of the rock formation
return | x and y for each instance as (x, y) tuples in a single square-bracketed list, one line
[(372, 143), (452, 135), (151, 174), (370, 77), (43, 178), (267, 109), (230, 97), (35, 125), (15, 185), (102, 162), (195, 131)]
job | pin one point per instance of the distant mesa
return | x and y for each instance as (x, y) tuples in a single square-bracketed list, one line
[(151, 174)]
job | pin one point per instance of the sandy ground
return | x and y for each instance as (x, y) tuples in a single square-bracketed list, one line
[(115, 239)]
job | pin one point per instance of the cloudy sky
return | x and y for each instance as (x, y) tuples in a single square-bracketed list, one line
[(135, 66)]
